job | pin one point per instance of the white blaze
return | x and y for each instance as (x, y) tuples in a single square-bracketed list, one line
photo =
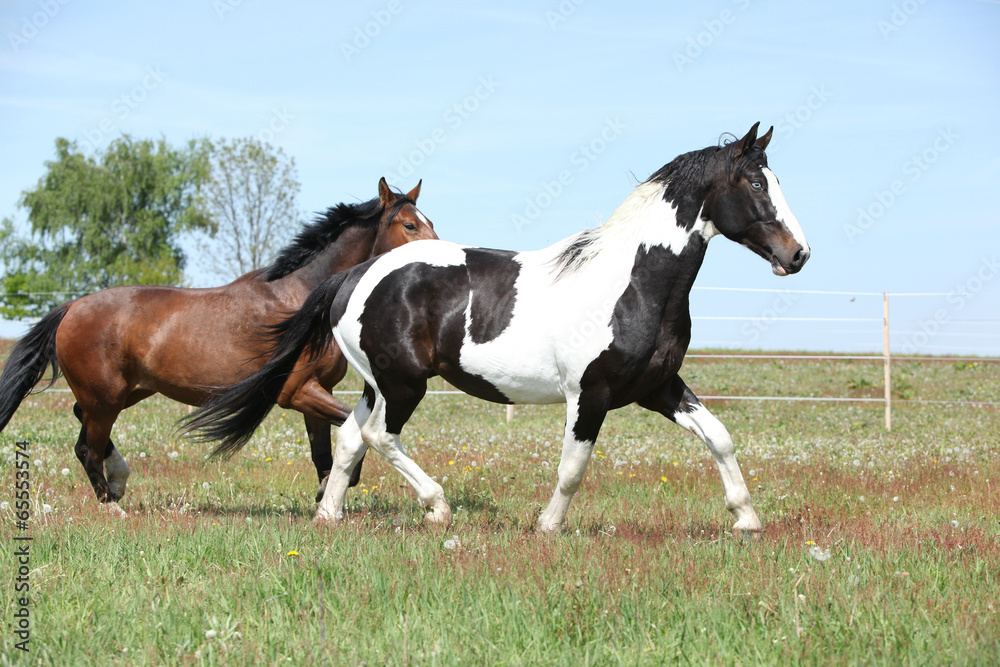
[(784, 214)]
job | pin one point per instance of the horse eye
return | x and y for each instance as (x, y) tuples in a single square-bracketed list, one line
[(410, 227), (756, 185)]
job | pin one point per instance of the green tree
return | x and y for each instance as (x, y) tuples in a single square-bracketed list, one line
[(250, 196), (104, 220)]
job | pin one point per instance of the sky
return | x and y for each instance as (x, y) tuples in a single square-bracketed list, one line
[(530, 121)]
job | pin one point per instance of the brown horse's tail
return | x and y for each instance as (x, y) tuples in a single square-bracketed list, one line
[(27, 362), (232, 417)]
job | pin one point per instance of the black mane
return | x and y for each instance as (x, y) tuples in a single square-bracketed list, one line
[(688, 176), (319, 234)]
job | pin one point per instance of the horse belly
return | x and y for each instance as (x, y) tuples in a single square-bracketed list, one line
[(523, 370)]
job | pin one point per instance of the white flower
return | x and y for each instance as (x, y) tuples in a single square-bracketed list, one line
[(173, 455), (46, 508), (450, 544), (65, 472), (4, 505), (819, 553), (211, 634), (205, 485), (954, 524), (142, 455)]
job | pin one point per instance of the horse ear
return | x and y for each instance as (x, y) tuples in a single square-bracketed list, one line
[(764, 140), (744, 144), (385, 195), (415, 192)]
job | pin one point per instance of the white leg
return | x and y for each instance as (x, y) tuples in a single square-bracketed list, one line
[(572, 465), (349, 450), (706, 426), (389, 445), (116, 471)]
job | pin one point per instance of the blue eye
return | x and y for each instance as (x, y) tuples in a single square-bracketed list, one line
[(756, 185)]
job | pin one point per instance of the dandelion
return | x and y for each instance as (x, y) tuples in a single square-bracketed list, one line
[(205, 485), (819, 553), (293, 553), (65, 472), (46, 508), (954, 524), (450, 545), (4, 505), (211, 634), (267, 459), (663, 479), (173, 455), (142, 455), (451, 463)]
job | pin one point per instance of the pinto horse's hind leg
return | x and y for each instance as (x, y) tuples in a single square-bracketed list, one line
[(679, 404), (114, 466), (321, 446), (584, 418), (382, 433), (347, 457)]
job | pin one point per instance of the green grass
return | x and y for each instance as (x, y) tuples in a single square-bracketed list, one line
[(646, 573)]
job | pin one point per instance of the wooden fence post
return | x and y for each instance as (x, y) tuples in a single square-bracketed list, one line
[(886, 358)]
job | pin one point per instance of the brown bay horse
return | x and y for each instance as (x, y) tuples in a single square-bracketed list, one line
[(123, 344)]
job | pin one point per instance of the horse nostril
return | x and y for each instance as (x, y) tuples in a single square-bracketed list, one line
[(800, 257)]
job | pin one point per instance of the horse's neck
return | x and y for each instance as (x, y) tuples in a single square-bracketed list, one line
[(351, 248), (643, 245)]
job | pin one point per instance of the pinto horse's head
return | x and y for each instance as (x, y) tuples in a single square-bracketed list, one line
[(401, 221), (745, 205)]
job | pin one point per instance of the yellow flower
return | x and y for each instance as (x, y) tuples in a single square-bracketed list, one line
[(268, 458), (451, 463), (663, 479), (292, 553), (810, 542)]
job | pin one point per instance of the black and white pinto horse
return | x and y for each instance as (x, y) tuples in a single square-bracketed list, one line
[(598, 321)]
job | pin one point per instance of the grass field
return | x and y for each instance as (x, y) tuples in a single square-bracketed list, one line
[(879, 548)]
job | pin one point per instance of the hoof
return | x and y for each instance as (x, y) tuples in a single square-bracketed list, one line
[(548, 528), (439, 518), (113, 509), (325, 518)]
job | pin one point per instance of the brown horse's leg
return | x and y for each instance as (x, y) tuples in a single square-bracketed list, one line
[(92, 447), (321, 410)]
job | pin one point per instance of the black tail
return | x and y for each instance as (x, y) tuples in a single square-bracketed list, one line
[(27, 361), (232, 417)]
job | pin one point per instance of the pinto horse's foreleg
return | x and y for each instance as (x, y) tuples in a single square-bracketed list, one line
[(583, 423), (679, 404), (112, 487)]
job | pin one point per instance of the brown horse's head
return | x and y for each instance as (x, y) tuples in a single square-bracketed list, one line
[(401, 221)]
